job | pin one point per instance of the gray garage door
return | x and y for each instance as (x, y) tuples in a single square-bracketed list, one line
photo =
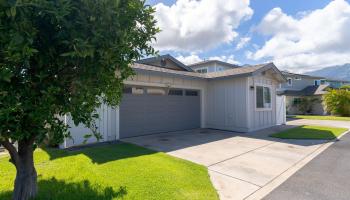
[(155, 110)]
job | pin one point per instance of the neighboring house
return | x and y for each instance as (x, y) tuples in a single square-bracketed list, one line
[(208, 66), (167, 62), (165, 95), (304, 93)]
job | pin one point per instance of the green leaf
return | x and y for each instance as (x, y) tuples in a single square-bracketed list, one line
[(13, 11), (5, 75)]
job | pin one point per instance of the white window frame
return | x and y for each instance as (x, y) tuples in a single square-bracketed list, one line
[(317, 82), (255, 100), (291, 81)]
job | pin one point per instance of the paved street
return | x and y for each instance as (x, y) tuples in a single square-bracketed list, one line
[(326, 177)]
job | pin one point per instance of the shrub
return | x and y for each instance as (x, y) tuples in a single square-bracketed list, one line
[(337, 102), (306, 103)]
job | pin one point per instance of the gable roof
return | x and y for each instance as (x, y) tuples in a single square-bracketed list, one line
[(213, 61), (235, 72), (250, 70), (150, 60), (308, 91)]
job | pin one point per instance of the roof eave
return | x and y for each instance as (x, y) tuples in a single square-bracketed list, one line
[(231, 76)]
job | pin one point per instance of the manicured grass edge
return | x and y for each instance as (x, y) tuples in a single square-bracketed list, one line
[(289, 134), (319, 117)]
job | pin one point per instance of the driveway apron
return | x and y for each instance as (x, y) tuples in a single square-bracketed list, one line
[(239, 164)]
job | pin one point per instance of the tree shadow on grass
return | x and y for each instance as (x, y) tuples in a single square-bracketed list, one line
[(102, 153), (54, 189)]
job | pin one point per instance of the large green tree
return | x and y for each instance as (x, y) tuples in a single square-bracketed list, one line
[(62, 57)]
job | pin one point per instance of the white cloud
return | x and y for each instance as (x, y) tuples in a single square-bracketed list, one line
[(195, 58), (189, 59), (314, 40), (192, 25), (242, 42), (228, 59), (249, 54)]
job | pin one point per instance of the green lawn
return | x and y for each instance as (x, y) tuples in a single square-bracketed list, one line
[(310, 132), (119, 171), (317, 117)]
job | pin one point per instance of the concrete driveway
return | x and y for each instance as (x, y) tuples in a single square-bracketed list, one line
[(241, 166)]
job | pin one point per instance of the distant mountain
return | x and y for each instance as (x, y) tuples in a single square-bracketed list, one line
[(341, 72)]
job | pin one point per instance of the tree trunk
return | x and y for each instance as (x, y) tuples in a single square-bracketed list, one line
[(26, 177)]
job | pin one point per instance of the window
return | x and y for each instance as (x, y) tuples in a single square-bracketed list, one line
[(298, 78), (317, 82), (191, 93), (290, 81), (155, 91), (220, 69), (263, 97), (133, 90), (175, 92), (202, 71), (163, 63), (297, 101), (127, 90)]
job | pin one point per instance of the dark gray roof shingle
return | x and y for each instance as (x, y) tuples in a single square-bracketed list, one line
[(307, 91)]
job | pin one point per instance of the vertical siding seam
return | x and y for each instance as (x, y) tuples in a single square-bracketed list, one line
[(248, 104)]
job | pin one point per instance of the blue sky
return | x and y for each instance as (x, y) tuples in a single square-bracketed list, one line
[(293, 14)]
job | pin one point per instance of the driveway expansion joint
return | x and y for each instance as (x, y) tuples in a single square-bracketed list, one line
[(261, 147)]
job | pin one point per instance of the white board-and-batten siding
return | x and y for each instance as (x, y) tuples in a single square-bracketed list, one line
[(261, 118), (226, 104), (107, 124)]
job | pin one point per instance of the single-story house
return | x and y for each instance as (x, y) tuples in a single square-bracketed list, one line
[(166, 95)]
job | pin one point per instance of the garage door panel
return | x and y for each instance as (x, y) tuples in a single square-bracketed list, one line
[(148, 114)]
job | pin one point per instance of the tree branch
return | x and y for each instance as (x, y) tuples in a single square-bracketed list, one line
[(12, 150)]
